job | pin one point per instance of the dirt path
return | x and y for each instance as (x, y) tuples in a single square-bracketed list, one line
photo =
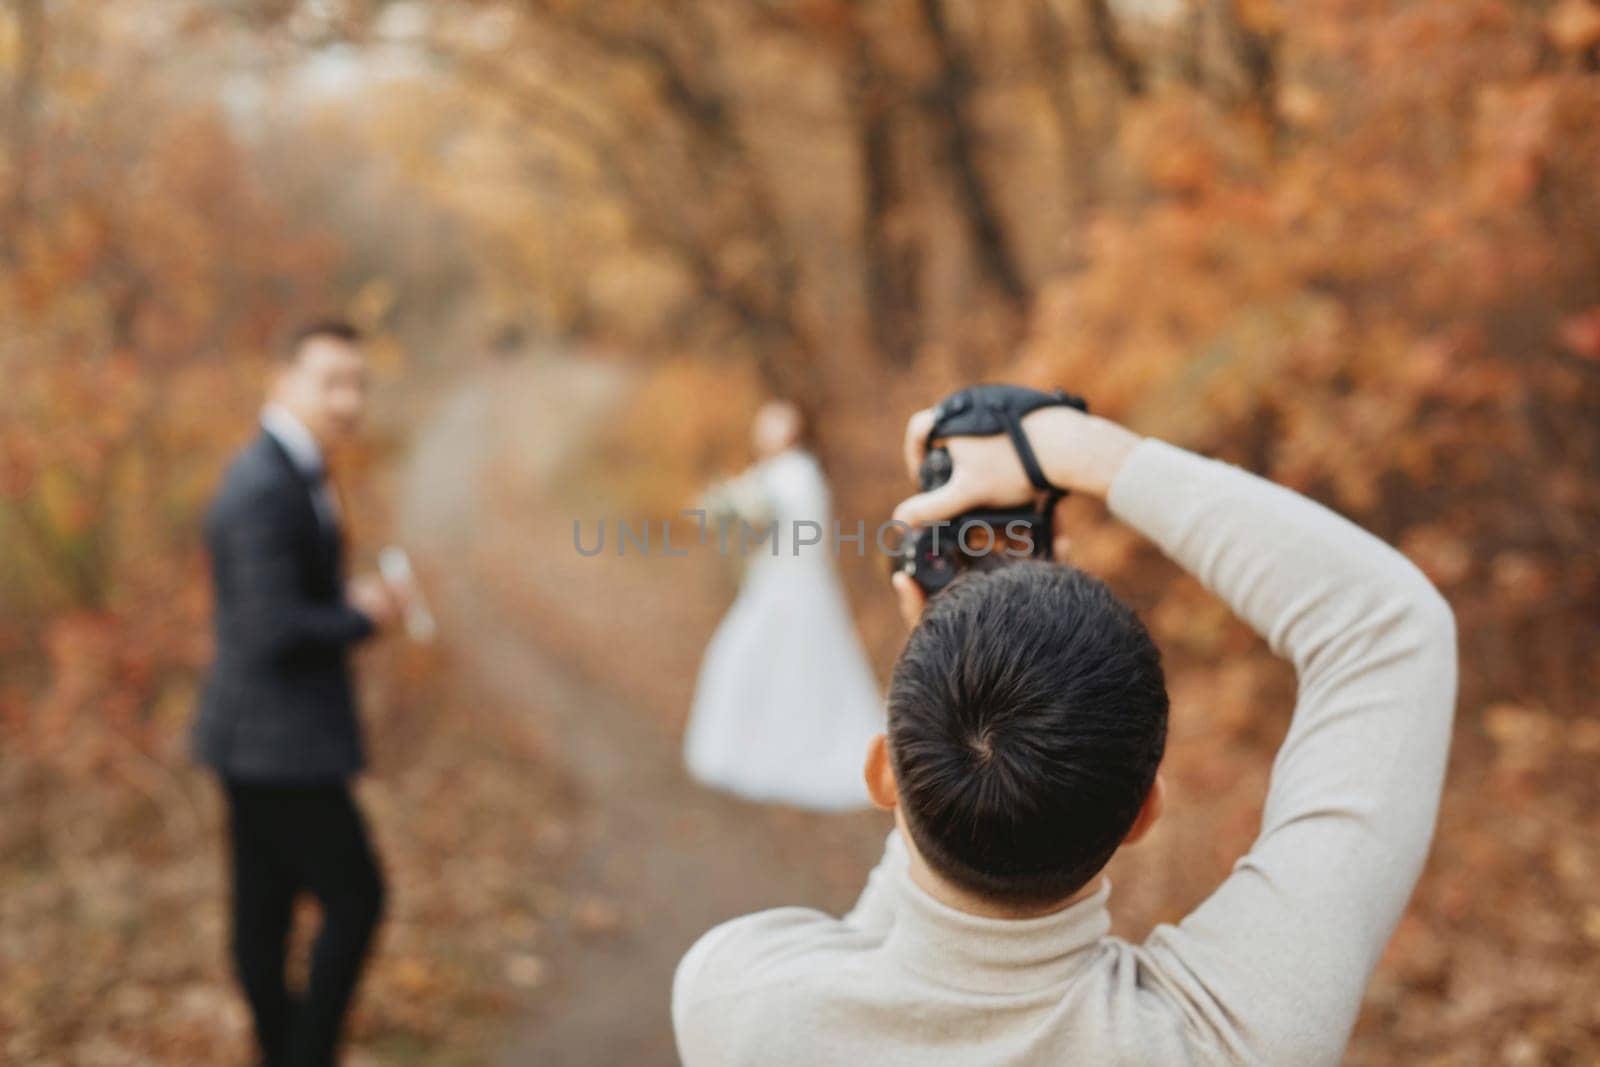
[(657, 860)]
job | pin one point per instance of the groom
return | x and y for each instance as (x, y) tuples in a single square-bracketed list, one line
[(277, 717), (1027, 720)]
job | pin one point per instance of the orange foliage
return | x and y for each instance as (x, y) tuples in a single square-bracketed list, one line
[(1348, 243)]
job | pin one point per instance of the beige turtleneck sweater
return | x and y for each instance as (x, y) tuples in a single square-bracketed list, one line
[(1270, 968)]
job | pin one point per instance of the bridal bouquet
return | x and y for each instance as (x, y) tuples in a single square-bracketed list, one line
[(742, 497)]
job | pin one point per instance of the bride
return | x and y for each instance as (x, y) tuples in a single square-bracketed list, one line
[(786, 702)]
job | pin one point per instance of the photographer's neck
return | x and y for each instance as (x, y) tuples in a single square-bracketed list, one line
[(951, 895)]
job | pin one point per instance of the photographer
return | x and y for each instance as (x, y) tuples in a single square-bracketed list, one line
[(1027, 720)]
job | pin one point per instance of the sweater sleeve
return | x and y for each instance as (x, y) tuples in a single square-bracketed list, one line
[(1276, 959)]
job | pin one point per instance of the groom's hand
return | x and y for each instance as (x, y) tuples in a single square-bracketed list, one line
[(374, 598)]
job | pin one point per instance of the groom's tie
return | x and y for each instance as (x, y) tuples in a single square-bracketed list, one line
[(324, 498)]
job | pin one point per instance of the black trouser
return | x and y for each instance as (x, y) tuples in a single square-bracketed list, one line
[(288, 839)]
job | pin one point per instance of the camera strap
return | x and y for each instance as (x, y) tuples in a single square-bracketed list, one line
[(986, 410)]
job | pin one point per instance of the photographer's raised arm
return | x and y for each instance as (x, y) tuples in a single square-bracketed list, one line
[(1275, 961)]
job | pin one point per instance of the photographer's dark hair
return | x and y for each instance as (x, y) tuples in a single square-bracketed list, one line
[(332, 329), (1027, 717)]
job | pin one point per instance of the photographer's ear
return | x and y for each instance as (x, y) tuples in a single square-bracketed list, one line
[(909, 595), (1155, 802), (879, 772)]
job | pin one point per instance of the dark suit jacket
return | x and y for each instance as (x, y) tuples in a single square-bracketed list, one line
[(278, 705)]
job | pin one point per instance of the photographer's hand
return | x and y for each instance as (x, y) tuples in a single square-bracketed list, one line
[(1076, 451)]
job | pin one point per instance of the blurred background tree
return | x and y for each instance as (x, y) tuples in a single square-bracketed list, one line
[(1350, 248)]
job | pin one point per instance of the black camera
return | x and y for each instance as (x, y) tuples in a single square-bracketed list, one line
[(936, 555)]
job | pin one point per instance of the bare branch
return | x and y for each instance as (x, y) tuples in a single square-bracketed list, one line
[(950, 104), (1054, 50), (889, 275), (31, 41), (1108, 41)]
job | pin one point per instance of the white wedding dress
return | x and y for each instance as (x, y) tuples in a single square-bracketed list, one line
[(786, 701)]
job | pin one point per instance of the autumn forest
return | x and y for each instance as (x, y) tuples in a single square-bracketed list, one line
[(1352, 245)]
